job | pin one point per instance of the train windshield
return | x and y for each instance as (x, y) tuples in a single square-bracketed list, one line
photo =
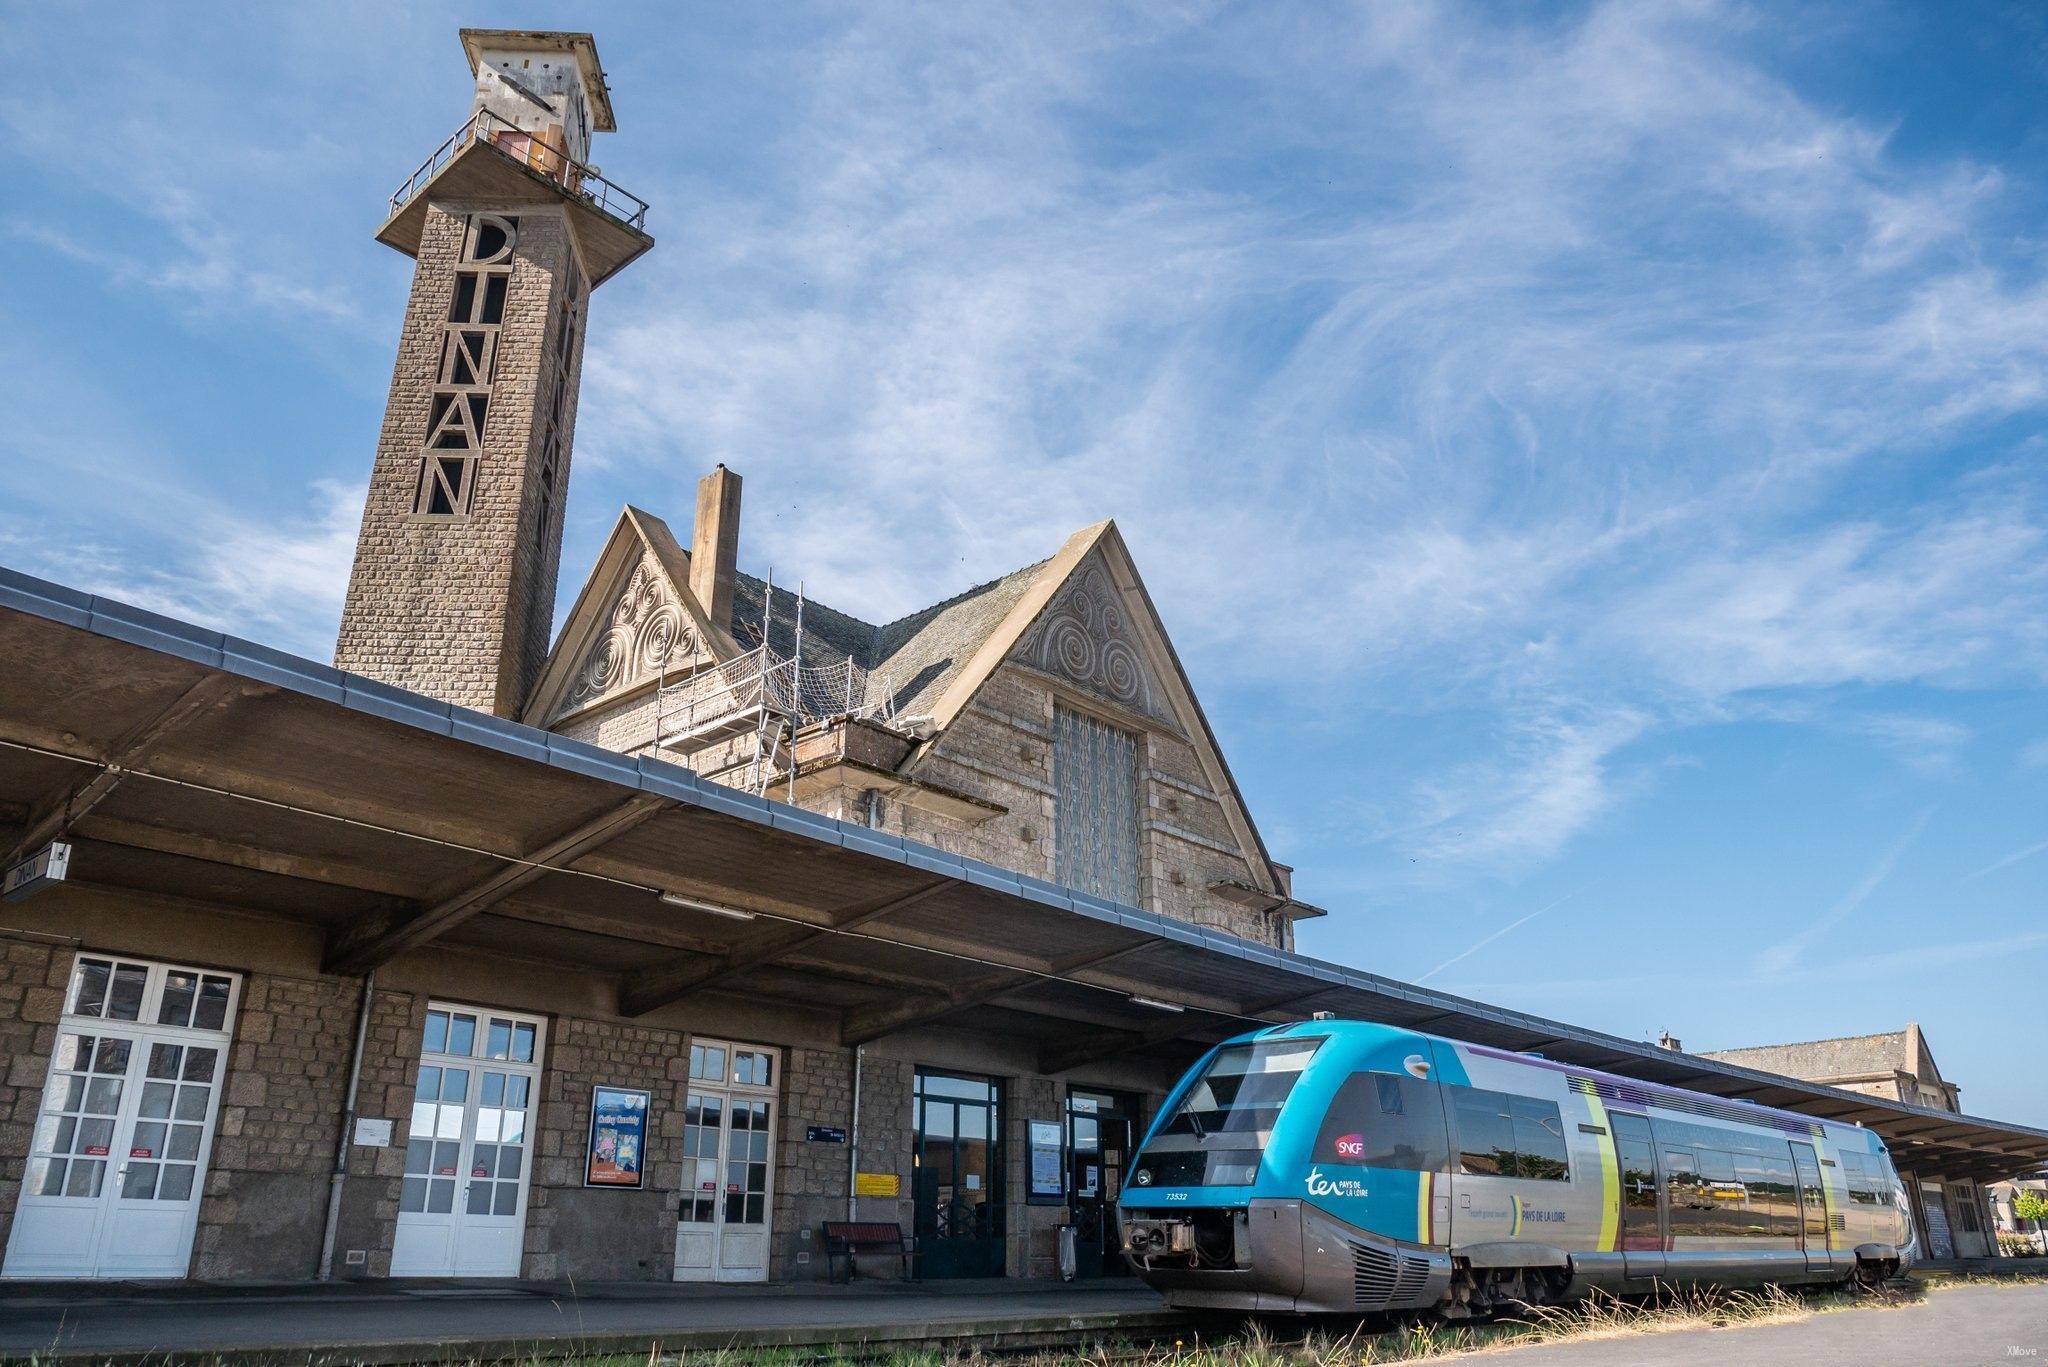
[(1215, 1135)]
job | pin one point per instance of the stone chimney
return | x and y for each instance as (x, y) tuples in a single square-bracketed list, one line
[(1667, 1040), (715, 545)]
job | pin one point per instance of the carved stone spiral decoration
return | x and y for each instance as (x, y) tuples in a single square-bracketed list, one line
[(1086, 638), (606, 663), (1123, 674), (1068, 645), (660, 634), (646, 633)]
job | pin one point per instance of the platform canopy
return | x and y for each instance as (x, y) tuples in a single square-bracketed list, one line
[(202, 771)]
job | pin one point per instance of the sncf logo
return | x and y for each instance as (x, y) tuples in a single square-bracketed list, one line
[(1351, 1146)]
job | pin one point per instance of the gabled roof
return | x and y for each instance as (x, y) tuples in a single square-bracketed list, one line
[(929, 663), (638, 538), (1104, 544)]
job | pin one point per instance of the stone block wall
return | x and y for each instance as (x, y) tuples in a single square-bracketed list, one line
[(280, 1118), (612, 1233), (33, 977), (1000, 749), (461, 608), (810, 1178), (391, 1063), (1032, 1232)]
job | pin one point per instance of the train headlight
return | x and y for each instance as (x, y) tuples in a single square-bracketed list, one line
[(1144, 1177)]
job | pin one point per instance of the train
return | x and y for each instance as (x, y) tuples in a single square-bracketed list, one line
[(1338, 1167)]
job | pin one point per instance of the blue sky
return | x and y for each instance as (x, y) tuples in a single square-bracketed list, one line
[(1590, 457)]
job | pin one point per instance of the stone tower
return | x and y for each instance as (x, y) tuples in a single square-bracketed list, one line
[(453, 589)]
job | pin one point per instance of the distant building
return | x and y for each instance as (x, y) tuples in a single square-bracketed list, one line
[(2007, 1222), (1953, 1214)]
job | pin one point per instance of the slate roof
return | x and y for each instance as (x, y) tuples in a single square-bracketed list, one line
[(914, 657), (1813, 1060)]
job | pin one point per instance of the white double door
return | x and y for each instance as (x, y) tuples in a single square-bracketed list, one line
[(727, 1205), (117, 1160), (462, 1202)]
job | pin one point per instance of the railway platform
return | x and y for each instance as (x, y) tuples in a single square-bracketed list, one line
[(133, 1323)]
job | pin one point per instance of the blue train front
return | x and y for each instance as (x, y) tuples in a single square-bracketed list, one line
[(1339, 1166)]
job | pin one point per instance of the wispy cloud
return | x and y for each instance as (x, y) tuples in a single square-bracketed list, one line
[(1569, 337), (279, 580), (1513, 925), (1915, 962), (2025, 852), (1776, 959), (1539, 374)]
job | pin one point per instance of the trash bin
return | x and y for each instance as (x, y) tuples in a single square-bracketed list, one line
[(1069, 1258)]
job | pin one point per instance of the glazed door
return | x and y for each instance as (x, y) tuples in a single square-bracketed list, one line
[(958, 1176), (1642, 1210), (723, 1221), (1813, 1207), (1100, 1129), (120, 1147), (462, 1202)]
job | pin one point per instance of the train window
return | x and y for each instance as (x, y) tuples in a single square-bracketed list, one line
[(1500, 1135), (1241, 1091), (1730, 1216), (1486, 1132), (1686, 1196), (1539, 1139), (1382, 1120), (1773, 1207), (1856, 1174)]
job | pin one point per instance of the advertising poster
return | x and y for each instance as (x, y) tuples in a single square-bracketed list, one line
[(618, 1138), (1048, 1164)]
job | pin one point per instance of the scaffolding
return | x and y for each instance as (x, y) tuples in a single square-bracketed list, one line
[(765, 696)]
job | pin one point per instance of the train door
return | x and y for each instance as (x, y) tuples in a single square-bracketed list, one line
[(1813, 1208), (1642, 1207)]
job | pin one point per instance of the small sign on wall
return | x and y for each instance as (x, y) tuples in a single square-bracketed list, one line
[(877, 1184), (824, 1134), (618, 1138), (1048, 1165), (373, 1132)]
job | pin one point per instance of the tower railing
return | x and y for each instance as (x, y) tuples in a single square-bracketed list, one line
[(535, 152)]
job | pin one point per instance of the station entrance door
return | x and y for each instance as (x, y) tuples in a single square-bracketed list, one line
[(117, 1159), (1102, 1129), (727, 1206)]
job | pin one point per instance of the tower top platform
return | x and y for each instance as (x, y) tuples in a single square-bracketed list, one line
[(480, 45)]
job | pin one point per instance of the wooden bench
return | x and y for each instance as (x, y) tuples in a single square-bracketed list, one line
[(847, 1238)]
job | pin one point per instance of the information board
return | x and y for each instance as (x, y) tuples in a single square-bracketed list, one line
[(1048, 1165), (618, 1138)]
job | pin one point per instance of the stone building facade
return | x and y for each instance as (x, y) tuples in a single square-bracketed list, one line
[(1041, 721), (282, 1085), (239, 1060)]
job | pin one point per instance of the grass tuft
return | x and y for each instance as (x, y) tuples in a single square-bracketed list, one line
[(1379, 1339)]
